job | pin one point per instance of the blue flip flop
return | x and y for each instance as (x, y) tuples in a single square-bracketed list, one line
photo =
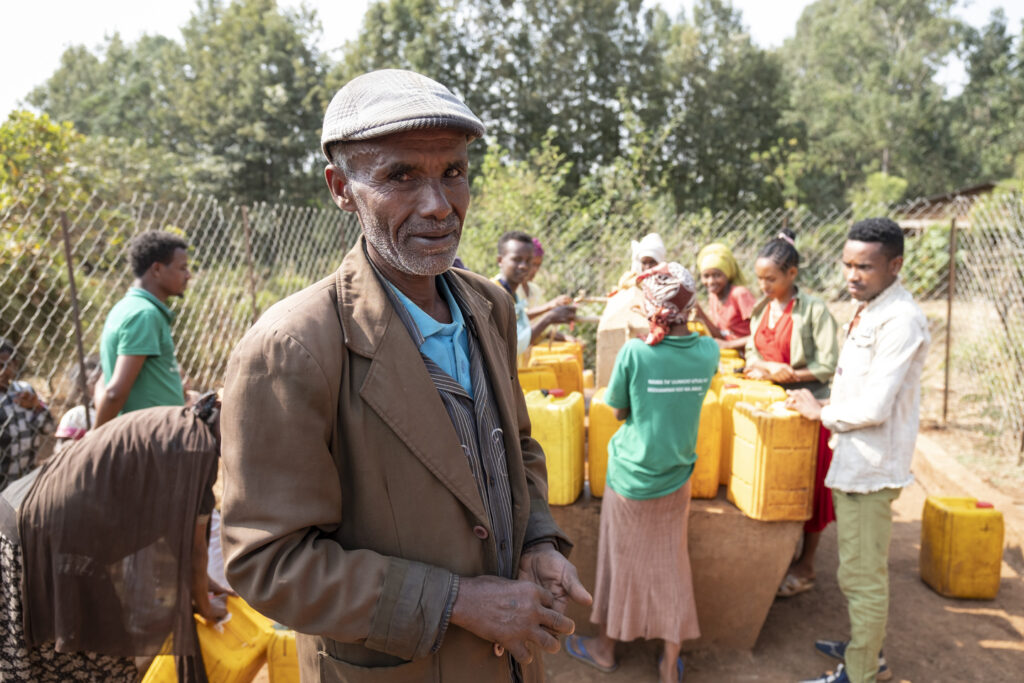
[(577, 650), (680, 668)]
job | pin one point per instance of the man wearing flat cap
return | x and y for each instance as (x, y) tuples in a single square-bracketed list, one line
[(383, 495)]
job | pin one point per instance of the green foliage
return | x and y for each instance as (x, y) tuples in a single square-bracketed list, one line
[(863, 85), (880, 189)]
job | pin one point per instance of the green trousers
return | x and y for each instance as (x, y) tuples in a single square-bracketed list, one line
[(864, 526)]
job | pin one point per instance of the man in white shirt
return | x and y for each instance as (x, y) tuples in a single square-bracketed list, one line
[(873, 414)]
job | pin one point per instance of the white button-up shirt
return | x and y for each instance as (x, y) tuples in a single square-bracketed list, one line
[(876, 395)]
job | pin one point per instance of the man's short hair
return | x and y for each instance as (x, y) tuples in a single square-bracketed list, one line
[(513, 236), (155, 246), (7, 347), (882, 230)]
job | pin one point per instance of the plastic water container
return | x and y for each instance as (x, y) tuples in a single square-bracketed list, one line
[(774, 457), (540, 377), (588, 379), (709, 451), (557, 421), (731, 366), (603, 426), (568, 372), (282, 659), (961, 547), (732, 391), (233, 651), (558, 348)]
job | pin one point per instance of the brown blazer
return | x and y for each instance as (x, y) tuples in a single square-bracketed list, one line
[(348, 503)]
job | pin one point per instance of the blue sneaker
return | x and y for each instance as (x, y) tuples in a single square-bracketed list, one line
[(837, 650), (837, 676)]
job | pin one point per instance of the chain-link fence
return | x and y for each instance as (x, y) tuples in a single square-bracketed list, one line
[(246, 258)]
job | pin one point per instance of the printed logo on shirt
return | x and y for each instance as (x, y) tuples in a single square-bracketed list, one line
[(677, 386)]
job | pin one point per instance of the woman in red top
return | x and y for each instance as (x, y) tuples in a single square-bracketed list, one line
[(795, 344), (729, 302)]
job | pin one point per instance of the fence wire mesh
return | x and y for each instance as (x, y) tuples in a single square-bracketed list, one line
[(244, 258)]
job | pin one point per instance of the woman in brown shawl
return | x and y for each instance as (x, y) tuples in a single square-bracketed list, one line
[(103, 550)]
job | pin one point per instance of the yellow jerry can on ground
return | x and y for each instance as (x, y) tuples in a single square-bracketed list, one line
[(539, 377), (282, 659), (233, 651), (568, 371), (709, 451), (733, 390), (603, 426), (775, 453), (557, 421), (588, 379), (961, 547)]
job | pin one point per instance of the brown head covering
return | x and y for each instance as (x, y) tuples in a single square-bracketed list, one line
[(107, 533), (668, 297)]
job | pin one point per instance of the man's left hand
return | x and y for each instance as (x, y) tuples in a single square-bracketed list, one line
[(803, 401), (549, 569)]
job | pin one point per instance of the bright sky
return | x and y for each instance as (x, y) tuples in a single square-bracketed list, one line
[(39, 31)]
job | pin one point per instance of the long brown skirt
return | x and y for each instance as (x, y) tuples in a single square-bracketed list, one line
[(644, 586)]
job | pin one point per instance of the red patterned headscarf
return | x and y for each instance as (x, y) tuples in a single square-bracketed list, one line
[(668, 297)]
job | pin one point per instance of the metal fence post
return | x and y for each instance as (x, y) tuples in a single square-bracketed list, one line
[(69, 259), (248, 261), (950, 291)]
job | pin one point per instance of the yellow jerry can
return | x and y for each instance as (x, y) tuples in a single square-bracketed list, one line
[(233, 651), (732, 391), (774, 457), (603, 426), (557, 421), (961, 547), (282, 659), (709, 452), (588, 379), (539, 377), (558, 348), (568, 372)]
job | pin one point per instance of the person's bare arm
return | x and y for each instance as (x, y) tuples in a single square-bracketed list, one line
[(115, 394), (559, 314), (621, 413), (200, 582)]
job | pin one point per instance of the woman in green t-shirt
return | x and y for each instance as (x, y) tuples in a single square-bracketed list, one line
[(644, 587)]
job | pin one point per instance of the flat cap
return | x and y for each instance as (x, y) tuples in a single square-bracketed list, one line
[(389, 101)]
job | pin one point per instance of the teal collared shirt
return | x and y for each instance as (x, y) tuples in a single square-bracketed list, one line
[(444, 343), (140, 325)]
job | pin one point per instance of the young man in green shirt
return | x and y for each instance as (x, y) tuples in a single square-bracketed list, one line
[(140, 369)]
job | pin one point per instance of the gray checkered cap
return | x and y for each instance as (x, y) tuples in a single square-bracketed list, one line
[(390, 101)]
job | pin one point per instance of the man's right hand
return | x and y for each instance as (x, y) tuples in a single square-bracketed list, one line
[(511, 614), (563, 314)]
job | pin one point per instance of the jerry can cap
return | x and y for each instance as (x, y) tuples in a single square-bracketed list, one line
[(557, 393), (983, 504)]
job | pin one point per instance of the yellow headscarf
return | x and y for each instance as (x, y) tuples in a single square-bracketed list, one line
[(719, 256)]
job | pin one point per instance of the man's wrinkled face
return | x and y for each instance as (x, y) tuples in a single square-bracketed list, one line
[(410, 191), (868, 269)]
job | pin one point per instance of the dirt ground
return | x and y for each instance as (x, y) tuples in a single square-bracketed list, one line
[(931, 639)]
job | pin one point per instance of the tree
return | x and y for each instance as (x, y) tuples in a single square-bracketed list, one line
[(987, 123), (726, 101), (863, 75), (125, 91), (251, 99), (238, 103)]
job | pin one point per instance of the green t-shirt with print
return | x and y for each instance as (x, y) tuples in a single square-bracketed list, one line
[(653, 452), (140, 325)]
